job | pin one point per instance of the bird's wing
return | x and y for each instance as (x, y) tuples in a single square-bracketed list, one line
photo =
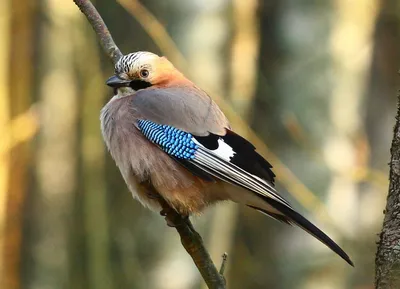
[(192, 110), (190, 128)]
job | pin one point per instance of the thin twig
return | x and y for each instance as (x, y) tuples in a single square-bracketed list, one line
[(94, 18), (191, 240), (223, 264)]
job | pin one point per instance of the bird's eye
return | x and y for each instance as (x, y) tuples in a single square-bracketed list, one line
[(144, 73)]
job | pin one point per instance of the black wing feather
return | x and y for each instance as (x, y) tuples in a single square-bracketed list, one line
[(292, 217), (246, 156)]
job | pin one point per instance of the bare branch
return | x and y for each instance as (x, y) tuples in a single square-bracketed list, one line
[(94, 18), (191, 240), (193, 243)]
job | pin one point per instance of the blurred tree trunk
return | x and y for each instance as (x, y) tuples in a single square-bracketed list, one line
[(250, 262), (351, 58), (345, 144), (241, 93), (93, 192), (21, 62), (244, 56), (5, 38), (48, 256)]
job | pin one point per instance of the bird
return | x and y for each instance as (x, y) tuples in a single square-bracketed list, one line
[(171, 141)]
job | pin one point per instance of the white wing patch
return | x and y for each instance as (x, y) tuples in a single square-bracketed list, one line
[(224, 150)]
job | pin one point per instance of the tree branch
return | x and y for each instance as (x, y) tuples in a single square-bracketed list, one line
[(387, 261), (191, 240), (193, 243), (94, 18)]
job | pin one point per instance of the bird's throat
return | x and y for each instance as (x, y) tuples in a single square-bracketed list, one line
[(124, 91)]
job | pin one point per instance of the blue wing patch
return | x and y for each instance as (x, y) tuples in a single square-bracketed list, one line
[(185, 147), (173, 141)]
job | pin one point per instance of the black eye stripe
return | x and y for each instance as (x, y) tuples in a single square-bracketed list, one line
[(139, 84)]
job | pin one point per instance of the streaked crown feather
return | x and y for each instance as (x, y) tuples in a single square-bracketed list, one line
[(133, 61)]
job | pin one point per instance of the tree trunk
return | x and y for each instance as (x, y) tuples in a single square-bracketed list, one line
[(387, 260)]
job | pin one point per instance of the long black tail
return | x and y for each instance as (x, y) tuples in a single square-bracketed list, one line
[(292, 217)]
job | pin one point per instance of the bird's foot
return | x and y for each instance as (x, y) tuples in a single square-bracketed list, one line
[(164, 212), (173, 218)]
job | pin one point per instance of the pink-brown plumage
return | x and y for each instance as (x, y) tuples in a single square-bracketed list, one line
[(141, 161)]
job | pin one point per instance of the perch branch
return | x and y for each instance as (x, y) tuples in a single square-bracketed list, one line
[(193, 243), (191, 240), (387, 261)]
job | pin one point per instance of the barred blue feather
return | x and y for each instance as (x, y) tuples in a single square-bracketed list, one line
[(173, 141)]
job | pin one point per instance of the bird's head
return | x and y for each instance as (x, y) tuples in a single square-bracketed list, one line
[(140, 70)]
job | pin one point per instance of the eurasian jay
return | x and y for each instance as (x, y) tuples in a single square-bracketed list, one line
[(170, 139)]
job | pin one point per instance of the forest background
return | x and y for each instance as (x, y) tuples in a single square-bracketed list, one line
[(316, 81)]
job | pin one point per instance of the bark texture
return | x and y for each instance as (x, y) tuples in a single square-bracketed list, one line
[(387, 262)]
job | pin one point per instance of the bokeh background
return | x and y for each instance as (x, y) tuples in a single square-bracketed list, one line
[(312, 83)]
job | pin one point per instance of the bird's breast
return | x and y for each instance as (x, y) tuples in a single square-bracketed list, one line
[(139, 160)]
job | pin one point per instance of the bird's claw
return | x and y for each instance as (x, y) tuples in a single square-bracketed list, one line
[(173, 218)]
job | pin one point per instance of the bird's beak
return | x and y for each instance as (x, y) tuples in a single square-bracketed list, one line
[(115, 81)]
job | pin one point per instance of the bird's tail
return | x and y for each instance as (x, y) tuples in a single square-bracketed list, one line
[(288, 215)]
